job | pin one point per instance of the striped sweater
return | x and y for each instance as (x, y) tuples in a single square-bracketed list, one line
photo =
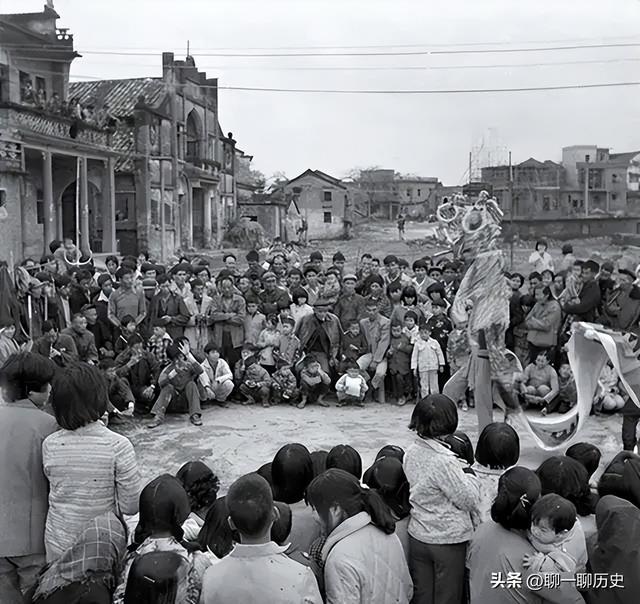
[(91, 470)]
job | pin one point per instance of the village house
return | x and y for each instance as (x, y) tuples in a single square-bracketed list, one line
[(119, 165)]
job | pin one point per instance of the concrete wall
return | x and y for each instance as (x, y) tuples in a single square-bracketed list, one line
[(268, 216), (570, 228), (11, 226)]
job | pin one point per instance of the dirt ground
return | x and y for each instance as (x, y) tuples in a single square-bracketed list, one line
[(238, 439)]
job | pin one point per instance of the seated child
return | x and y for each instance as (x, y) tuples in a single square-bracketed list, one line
[(538, 384), (255, 381), (351, 387), (610, 399), (128, 328), (120, 396), (141, 370), (216, 381), (314, 383), (284, 387), (353, 345), (158, 344), (399, 364), (288, 347), (567, 396), (410, 328), (557, 536)]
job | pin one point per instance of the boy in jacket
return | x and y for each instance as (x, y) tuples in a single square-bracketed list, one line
[(426, 361)]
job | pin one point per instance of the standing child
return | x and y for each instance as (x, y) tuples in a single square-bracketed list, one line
[(351, 387), (353, 345), (300, 308), (314, 383), (440, 329), (399, 364), (426, 361), (254, 321), (284, 387), (268, 340), (288, 347), (410, 328)]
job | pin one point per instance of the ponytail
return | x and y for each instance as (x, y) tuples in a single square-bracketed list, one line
[(378, 510)]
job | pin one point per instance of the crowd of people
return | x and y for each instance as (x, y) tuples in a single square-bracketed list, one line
[(443, 522), (82, 349)]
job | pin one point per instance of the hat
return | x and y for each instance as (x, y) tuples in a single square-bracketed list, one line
[(147, 266), (349, 277), (225, 273), (62, 280), (607, 265), (322, 302), (252, 256), (309, 268), (88, 307), (183, 266), (316, 256), (102, 279), (269, 275), (339, 256), (592, 265), (435, 269)]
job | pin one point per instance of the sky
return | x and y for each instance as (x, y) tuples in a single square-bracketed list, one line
[(422, 134)]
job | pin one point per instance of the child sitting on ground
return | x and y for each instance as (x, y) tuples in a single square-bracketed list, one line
[(120, 396), (158, 344), (399, 364), (556, 535), (538, 384), (255, 381), (284, 387), (426, 361), (314, 383), (128, 328), (353, 345), (567, 396), (351, 387), (610, 399)]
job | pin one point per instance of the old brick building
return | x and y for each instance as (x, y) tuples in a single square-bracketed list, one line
[(120, 165)]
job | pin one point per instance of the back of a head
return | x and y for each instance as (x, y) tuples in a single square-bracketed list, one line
[(216, 535), (435, 415), (157, 578), (568, 478), (319, 461), (498, 446), (587, 454), (291, 472), (200, 483), (345, 457), (164, 506), (250, 504), (282, 526), (336, 487), (79, 396), (23, 373), (518, 489), (461, 445), (622, 478), (387, 477)]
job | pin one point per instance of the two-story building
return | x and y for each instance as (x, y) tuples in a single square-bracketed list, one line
[(119, 165), (57, 162)]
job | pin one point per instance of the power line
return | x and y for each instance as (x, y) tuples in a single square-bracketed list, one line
[(450, 91)]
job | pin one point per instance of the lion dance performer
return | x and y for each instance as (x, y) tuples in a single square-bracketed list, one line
[(481, 304)]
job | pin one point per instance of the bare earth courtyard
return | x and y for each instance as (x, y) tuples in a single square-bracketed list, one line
[(237, 439)]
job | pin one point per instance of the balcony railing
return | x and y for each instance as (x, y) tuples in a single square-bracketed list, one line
[(56, 126)]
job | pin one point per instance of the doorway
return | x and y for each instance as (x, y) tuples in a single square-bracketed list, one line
[(198, 217)]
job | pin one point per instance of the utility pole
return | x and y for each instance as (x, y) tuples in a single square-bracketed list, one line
[(511, 213), (586, 190), (470, 155)]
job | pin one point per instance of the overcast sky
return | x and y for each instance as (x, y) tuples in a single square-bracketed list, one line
[(428, 135)]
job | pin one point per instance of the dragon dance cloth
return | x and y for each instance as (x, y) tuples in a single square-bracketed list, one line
[(590, 347)]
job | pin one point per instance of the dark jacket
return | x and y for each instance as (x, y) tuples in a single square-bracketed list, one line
[(78, 297), (174, 307), (274, 301), (586, 310), (307, 332)]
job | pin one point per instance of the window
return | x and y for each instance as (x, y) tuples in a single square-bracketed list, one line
[(587, 158), (40, 206), (328, 197), (327, 217), (546, 203), (252, 218), (408, 192), (168, 212), (41, 85), (122, 205), (419, 192), (614, 196), (614, 178), (297, 190)]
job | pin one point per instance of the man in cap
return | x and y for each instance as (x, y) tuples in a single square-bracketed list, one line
[(350, 305), (253, 260), (102, 335), (586, 308), (180, 274), (272, 298), (320, 335)]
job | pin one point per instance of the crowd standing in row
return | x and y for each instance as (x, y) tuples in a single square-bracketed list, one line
[(433, 525)]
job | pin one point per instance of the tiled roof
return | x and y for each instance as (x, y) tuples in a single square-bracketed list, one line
[(623, 157), (121, 95)]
